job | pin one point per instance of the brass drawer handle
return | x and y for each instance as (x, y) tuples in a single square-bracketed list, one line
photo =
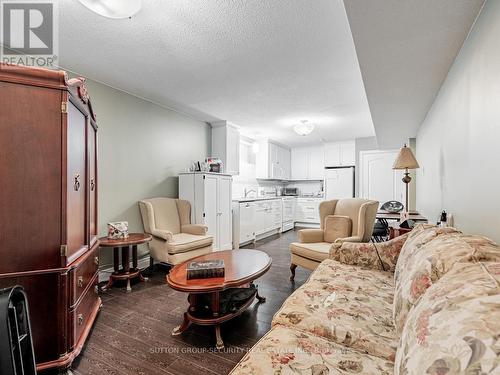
[(96, 261), (79, 282), (92, 184), (76, 183), (80, 319)]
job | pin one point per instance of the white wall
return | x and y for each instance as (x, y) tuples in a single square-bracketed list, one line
[(458, 143), (142, 148)]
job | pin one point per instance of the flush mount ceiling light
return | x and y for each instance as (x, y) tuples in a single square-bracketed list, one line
[(304, 128), (113, 8)]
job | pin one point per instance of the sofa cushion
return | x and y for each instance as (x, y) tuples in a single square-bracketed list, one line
[(426, 260), (455, 327), (345, 304), (287, 351), (337, 227), (182, 242), (378, 256), (317, 251)]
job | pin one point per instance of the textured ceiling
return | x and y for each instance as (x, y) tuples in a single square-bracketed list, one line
[(263, 65), (405, 49)]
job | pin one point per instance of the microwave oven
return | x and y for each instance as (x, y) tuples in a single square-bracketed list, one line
[(291, 191)]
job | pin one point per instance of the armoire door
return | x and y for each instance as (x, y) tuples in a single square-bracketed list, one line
[(92, 181), (225, 229), (76, 238), (210, 209)]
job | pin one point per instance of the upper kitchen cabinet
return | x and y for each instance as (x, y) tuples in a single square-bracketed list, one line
[(340, 154), (226, 146), (308, 163), (273, 161)]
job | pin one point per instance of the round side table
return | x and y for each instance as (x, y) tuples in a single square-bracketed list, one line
[(125, 273)]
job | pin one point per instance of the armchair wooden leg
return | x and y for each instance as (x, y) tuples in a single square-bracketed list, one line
[(292, 270)]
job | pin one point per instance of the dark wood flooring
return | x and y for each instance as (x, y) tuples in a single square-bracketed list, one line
[(132, 331)]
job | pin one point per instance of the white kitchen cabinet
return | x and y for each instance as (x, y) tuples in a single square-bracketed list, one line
[(243, 223), (300, 166), (316, 163), (308, 163), (273, 161), (210, 198), (226, 146), (340, 154), (267, 216), (307, 211)]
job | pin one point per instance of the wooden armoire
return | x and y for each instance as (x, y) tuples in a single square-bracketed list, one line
[(48, 206)]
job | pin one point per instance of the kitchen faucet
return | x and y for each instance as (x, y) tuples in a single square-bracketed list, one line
[(248, 192)]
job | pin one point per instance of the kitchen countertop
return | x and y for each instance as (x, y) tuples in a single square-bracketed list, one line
[(250, 199)]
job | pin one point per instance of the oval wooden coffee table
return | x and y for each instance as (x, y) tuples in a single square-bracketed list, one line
[(241, 267)]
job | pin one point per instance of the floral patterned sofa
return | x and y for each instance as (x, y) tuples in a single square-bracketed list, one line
[(424, 303)]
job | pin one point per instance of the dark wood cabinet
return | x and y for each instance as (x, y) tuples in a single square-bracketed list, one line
[(48, 206)]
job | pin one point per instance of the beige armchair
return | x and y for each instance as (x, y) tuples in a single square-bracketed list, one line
[(344, 220), (175, 239)]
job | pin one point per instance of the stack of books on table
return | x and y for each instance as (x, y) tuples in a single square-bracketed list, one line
[(205, 269)]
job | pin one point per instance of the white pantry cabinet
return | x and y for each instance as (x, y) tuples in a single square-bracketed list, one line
[(210, 198), (340, 154), (226, 146), (308, 163)]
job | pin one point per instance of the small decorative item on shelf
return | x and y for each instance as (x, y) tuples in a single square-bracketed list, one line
[(205, 269), (118, 230), (215, 164)]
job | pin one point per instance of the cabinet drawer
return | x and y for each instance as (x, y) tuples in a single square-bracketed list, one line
[(82, 315), (82, 274)]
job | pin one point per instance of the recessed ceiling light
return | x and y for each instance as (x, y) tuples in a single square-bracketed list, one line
[(113, 8), (304, 128)]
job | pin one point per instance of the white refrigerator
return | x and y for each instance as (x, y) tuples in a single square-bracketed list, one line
[(339, 182)]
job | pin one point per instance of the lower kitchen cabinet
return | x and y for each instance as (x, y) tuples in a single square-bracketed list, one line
[(256, 220), (307, 211)]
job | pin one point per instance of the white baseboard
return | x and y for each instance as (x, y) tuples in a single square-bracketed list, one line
[(105, 272)]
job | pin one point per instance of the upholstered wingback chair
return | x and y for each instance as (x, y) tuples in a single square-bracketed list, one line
[(175, 239), (343, 220)]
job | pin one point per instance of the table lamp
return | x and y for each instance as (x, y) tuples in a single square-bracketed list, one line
[(406, 160)]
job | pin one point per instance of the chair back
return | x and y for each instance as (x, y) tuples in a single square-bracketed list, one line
[(362, 213), (165, 214)]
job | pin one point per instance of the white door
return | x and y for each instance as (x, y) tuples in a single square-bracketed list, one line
[(339, 183), (316, 163), (210, 211), (300, 160), (225, 229), (378, 180)]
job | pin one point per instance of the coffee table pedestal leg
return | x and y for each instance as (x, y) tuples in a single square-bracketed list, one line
[(181, 328), (219, 344)]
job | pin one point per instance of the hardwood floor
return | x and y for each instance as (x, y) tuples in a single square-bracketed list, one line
[(132, 331)]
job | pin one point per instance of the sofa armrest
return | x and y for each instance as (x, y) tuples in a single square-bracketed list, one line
[(380, 256), (311, 235), (349, 239), (163, 234), (196, 229)]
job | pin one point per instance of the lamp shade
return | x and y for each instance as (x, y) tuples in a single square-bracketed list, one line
[(405, 159)]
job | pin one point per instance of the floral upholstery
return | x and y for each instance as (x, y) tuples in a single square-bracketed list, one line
[(426, 256), (440, 310), (285, 351), (455, 328), (378, 256), (345, 304)]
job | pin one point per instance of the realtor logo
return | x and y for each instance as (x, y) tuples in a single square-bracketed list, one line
[(28, 32)]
